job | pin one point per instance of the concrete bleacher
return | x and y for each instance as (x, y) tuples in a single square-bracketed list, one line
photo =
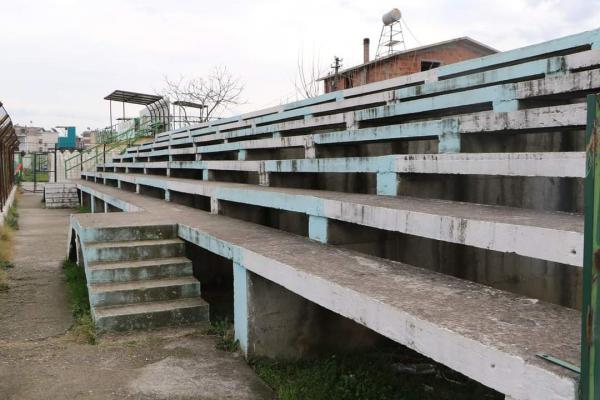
[(442, 209)]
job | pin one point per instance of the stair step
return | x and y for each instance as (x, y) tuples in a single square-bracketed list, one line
[(123, 271), (134, 250), (151, 315), (108, 294), (127, 233)]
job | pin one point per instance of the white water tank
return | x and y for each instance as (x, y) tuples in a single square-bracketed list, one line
[(391, 16)]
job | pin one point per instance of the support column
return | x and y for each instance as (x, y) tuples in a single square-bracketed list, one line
[(449, 143), (167, 195), (318, 228), (310, 151), (119, 184), (214, 205), (264, 179), (242, 154), (272, 321), (92, 204), (240, 305), (137, 188), (208, 175), (105, 207), (387, 184)]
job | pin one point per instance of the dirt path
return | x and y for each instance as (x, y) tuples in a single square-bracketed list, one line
[(41, 359)]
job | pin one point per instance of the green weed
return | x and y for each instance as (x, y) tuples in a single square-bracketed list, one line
[(223, 330), (79, 301)]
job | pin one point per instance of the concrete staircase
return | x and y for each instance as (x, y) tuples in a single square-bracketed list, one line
[(139, 278), (61, 195)]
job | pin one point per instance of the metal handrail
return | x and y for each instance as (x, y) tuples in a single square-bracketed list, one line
[(116, 139)]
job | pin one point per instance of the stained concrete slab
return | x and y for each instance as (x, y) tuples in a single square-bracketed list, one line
[(487, 334), (41, 359)]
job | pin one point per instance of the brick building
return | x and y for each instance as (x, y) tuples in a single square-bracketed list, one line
[(405, 62)]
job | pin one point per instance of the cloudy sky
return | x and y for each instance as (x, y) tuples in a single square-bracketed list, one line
[(59, 58)]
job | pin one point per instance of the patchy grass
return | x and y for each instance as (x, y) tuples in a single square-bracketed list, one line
[(6, 244), (12, 217), (80, 304), (84, 210), (374, 375), (41, 176), (223, 330)]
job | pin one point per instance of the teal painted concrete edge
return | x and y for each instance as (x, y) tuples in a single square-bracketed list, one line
[(591, 38), (240, 305)]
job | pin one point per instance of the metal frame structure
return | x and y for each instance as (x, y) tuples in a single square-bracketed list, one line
[(8, 144), (590, 317), (151, 101)]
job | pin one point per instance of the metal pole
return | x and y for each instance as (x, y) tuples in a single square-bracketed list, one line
[(590, 315), (110, 113), (55, 165), (34, 172)]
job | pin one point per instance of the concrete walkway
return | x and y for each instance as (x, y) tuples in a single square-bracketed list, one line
[(41, 359)]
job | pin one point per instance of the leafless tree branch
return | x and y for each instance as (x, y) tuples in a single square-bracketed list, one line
[(218, 91), (306, 83)]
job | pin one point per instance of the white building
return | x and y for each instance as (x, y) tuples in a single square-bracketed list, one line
[(34, 139)]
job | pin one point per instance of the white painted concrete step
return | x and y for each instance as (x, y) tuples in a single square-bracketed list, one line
[(119, 293), (134, 250), (549, 164), (61, 195), (129, 233), (151, 315), (125, 271), (490, 335), (552, 236)]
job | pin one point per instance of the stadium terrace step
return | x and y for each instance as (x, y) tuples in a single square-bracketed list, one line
[(134, 250), (125, 271), (564, 116), (491, 227), (549, 164), (487, 334), (133, 292), (61, 195), (138, 276), (150, 315)]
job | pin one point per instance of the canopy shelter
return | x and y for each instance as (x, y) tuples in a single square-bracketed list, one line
[(155, 104), (182, 105)]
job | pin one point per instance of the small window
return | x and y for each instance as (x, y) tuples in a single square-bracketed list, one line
[(347, 82), (427, 65)]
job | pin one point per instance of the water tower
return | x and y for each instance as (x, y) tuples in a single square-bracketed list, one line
[(391, 33)]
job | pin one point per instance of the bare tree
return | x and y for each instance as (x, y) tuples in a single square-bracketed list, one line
[(218, 91), (306, 82)]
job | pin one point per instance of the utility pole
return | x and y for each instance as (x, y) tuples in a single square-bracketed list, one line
[(337, 64)]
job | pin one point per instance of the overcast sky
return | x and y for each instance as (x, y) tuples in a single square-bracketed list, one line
[(58, 59)]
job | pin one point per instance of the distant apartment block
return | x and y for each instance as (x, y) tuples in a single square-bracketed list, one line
[(35, 139)]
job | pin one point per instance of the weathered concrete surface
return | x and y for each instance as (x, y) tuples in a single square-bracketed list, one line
[(36, 306), (39, 359), (489, 335)]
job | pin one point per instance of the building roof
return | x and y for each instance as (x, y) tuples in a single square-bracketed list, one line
[(463, 40)]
